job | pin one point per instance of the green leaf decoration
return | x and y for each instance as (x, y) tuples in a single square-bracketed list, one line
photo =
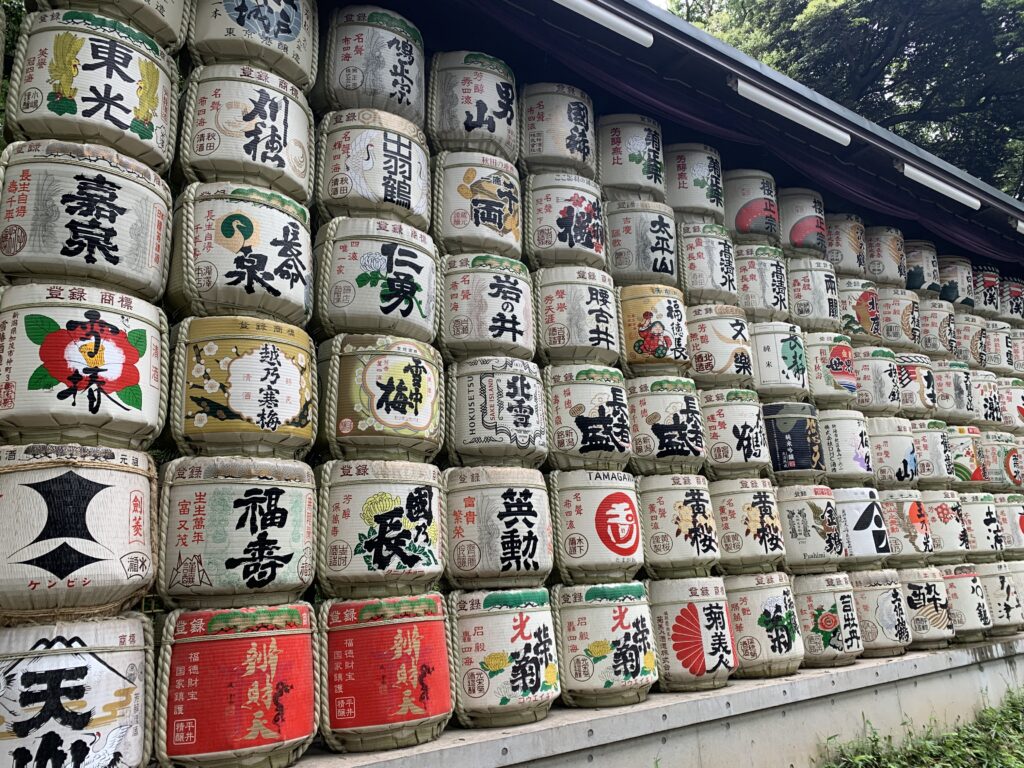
[(503, 701), (137, 339), (38, 327), (41, 379), (131, 396)]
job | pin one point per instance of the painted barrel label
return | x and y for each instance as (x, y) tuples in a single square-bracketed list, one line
[(578, 315), (479, 202), (558, 128)]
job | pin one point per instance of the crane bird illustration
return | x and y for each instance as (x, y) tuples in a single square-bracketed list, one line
[(360, 162)]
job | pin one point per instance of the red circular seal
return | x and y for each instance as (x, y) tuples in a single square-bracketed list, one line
[(617, 524)]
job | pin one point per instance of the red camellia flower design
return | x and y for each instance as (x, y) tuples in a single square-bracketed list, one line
[(828, 622)]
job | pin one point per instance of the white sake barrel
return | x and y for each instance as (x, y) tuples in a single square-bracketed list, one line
[(802, 216), (998, 351), (900, 315), (597, 529), (927, 603), (86, 78), (693, 180), (165, 22), (1002, 461), (372, 163), (846, 246), (779, 361), (922, 268), (957, 277), (718, 341), (814, 294), (934, 460), (810, 528), (892, 452), (985, 538), (556, 122), (371, 58), (588, 417), (488, 307), (828, 619), (680, 538), (1011, 396), (241, 250), (694, 639), (493, 633), (860, 310), (249, 126), (630, 160), (235, 531), (1016, 337), (708, 271), (988, 407), (864, 528), (382, 397), (381, 528), (886, 257), (83, 688), (878, 387), (654, 330), (563, 221), (1010, 511), (938, 329), (642, 248), (968, 606), (79, 530), (986, 290), (577, 315), (751, 209), (92, 366), (794, 442), (763, 282), (498, 526), (606, 644), (830, 374), (878, 598), (376, 276), (906, 522), (476, 204), (917, 385), (997, 579), (84, 212), (965, 448), (667, 426), (737, 442), (946, 523), (954, 392), (1011, 300), (845, 445), (764, 624), (243, 386), (747, 521)]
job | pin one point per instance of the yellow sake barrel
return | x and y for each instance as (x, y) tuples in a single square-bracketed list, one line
[(241, 249), (249, 126), (577, 315), (678, 525), (563, 221), (886, 256), (1000, 585), (81, 364), (907, 526), (630, 160), (556, 122), (588, 417), (828, 619), (922, 268), (802, 216), (693, 180), (934, 460), (751, 209), (927, 605), (846, 247), (83, 77), (79, 535), (165, 22), (747, 521), (765, 624), (968, 606), (668, 428), (878, 598), (986, 290), (641, 242), (235, 531), (84, 212), (810, 528)]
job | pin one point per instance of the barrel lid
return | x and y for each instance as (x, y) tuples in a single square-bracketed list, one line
[(882, 231), (978, 373), (996, 325), (634, 292), (575, 479), (958, 569), (745, 173), (500, 600), (346, 228), (241, 326), (109, 635), (495, 365), (856, 284), (861, 353), (368, 343), (464, 478), (930, 496), (888, 425), (896, 293), (838, 218), (559, 275), (854, 494), (937, 304), (446, 160), (563, 180), (991, 569), (460, 262), (749, 581), (349, 119), (900, 494), (789, 410), (950, 365), (810, 264), (721, 396), (140, 41), (1010, 382), (377, 17), (264, 78), (615, 207), (663, 483), (342, 614), (229, 190), (982, 268), (631, 592), (977, 498), (957, 430), (809, 583), (58, 294), (1007, 499), (586, 373), (840, 415), (797, 492), (662, 591), (660, 384), (625, 118), (997, 436), (774, 327), (883, 577), (691, 147), (826, 337), (965, 314), (930, 573), (738, 485), (22, 457), (919, 245), (921, 425), (703, 229), (557, 89), (192, 469), (473, 60), (698, 311), (375, 471), (218, 622), (758, 251)]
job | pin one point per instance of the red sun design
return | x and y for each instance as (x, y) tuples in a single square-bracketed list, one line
[(753, 216)]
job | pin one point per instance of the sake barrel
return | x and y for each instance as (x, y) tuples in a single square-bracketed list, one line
[(372, 163), (495, 633), (680, 538), (588, 417), (938, 329), (764, 624), (564, 221), (751, 209), (968, 606), (248, 126), (986, 290), (802, 217), (641, 240), (692, 633), (946, 522), (737, 442), (84, 212), (892, 452), (747, 521), (1010, 511), (830, 375), (886, 258), (605, 642), (71, 553), (282, 39), (693, 180), (654, 329), (878, 386), (488, 307), (864, 529), (794, 442), (1016, 337), (927, 603), (1003, 598), (762, 281), (900, 315), (556, 122), (403, 640), (965, 448), (371, 58), (922, 268), (238, 250), (597, 526), (917, 384), (667, 425), (1002, 461), (499, 527), (120, 90), (630, 160), (878, 599), (476, 204), (1011, 300), (954, 392), (166, 23), (846, 246), (814, 293), (383, 397), (845, 446), (828, 619), (266, 650), (934, 460), (906, 523), (577, 315), (92, 366), (718, 340), (1011, 397), (1016, 570), (860, 313), (708, 273), (985, 538), (998, 352), (957, 278), (96, 674), (779, 361), (235, 531), (381, 528), (243, 386), (988, 408), (810, 528)]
